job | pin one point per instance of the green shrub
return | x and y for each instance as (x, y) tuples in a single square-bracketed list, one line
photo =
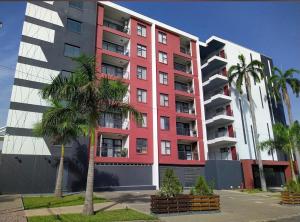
[(202, 188), (293, 186), (171, 186)]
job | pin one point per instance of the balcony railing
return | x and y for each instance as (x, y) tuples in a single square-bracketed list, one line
[(185, 50), (114, 48), (187, 155), (226, 133), (182, 68), (110, 151), (221, 54), (114, 71), (116, 26), (222, 91), (183, 87), (225, 112)]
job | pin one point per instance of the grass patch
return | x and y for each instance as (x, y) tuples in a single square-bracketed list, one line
[(52, 201), (102, 216)]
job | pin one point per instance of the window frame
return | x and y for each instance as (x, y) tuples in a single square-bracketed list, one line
[(143, 124), (74, 46), (164, 147), (164, 78), (141, 49), (138, 96), (140, 31), (165, 98), (163, 37), (142, 69), (166, 120), (163, 56), (145, 140), (74, 20)]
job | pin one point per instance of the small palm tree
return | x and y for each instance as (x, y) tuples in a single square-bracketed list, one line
[(279, 83), (285, 139), (61, 124), (91, 96), (241, 73)]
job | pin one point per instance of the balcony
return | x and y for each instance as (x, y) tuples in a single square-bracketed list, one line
[(214, 62), (186, 128), (184, 107), (116, 25), (113, 120), (185, 46), (187, 151), (217, 97), (219, 118), (215, 80), (115, 146), (220, 153), (115, 67), (183, 87), (220, 137), (182, 64)]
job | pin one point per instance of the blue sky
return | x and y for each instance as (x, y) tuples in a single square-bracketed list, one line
[(269, 28)]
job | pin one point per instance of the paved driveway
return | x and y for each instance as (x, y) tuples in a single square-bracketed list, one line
[(11, 209), (235, 207)]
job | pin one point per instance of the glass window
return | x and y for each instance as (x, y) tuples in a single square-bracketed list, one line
[(164, 100), (162, 37), (164, 123), (141, 51), (71, 50), (111, 147), (141, 145), (141, 30), (141, 95), (73, 25), (162, 57), (165, 147), (163, 78), (76, 4), (141, 72), (143, 124)]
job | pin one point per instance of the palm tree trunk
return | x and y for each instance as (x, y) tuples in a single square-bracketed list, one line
[(88, 208), (291, 120), (59, 178), (253, 117), (292, 167)]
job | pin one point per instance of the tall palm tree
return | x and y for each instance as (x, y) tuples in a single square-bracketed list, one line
[(279, 83), (61, 124), (241, 73), (285, 139), (91, 96)]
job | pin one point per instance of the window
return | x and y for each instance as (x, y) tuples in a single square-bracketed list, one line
[(141, 72), (73, 25), (162, 57), (142, 95), (141, 145), (261, 98), (164, 123), (162, 37), (141, 51), (165, 147), (65, 73), (71, 51), (111, 147), (163, 78), (141, 30), (243, 123), (143, 124), (164, 100), (76, 4)]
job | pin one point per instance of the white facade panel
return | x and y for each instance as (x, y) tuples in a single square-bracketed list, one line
[(32, 51), (25, 145), (38, 32), (23, 119), (35, 73), (27, 95), (43, 14)]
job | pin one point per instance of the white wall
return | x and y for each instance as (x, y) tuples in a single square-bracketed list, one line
[(246, 151)]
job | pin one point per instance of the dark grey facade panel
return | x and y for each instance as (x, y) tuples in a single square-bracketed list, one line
[(187, 174), (27, 107), (13, 131), (224, 173), (122, 176), (29, 84)]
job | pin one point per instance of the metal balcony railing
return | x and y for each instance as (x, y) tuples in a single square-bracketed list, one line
[(182, 68), (183, 87), (116, 26), (187, 155), (110, 151), (114, 48), (114, 71), (185, 50), (225, 112), (217, 92), (226, 133)]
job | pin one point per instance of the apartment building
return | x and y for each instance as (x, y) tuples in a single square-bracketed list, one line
[(192, 117)]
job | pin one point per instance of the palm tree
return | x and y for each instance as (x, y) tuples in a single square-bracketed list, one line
[(241, 73), (61, 124), (285, 139), (91, 96), (279, 83)]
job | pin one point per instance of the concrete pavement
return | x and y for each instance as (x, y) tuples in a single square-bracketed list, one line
[(11, 209)]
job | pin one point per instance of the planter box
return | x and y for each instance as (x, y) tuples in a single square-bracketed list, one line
[(184, 203), (290, 198)]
